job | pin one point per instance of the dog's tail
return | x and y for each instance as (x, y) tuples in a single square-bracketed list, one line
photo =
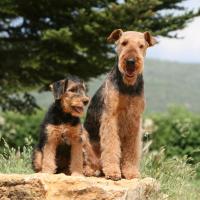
[(37, 160)]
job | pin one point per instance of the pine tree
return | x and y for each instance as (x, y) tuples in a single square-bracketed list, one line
[(43, 40)]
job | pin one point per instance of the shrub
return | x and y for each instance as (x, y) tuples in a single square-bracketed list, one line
[(178, 132), (17, 129)]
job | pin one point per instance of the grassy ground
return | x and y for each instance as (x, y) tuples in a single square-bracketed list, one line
[(177, 178), (14, 161)]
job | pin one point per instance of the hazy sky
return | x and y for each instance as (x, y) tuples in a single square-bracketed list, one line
[(182, 50)]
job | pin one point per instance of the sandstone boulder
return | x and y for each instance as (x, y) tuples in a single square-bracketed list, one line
[(62, 187)]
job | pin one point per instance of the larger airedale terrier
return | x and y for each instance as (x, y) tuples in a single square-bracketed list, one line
[(62, 137), (114, 115)]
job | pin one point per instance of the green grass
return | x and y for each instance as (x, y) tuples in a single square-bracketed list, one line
[(176, 177), (14, 161)]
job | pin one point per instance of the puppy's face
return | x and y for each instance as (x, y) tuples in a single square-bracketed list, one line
[(72, 95)]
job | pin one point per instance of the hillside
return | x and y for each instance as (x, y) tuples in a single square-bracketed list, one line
[(166, 83)]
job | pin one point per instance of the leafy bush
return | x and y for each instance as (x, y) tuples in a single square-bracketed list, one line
[(17, 129), (178, 132)]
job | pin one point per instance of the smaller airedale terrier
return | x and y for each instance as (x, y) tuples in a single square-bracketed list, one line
[(62, 137)]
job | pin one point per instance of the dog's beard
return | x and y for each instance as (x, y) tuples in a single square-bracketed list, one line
[(129, 81)]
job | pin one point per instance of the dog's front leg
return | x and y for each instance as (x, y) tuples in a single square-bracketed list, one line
[(110, 147), (76, 166), (131, 151), (49, 154), (49, 149)]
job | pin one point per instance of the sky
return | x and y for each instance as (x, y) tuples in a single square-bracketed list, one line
[(185, 50)]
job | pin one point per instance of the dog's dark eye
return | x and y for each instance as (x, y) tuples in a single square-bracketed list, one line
[(141, 46), (124, 43), (73, 90)]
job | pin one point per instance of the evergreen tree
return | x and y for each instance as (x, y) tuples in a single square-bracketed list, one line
[(43, 40)]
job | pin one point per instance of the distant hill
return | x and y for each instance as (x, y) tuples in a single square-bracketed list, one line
[(166, 83)]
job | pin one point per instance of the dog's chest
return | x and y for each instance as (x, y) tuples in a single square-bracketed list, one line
[(124, 106), (71, 133), (125, 110), (64, 133)]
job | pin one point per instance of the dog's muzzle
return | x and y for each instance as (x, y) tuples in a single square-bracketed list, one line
[(130, 66)]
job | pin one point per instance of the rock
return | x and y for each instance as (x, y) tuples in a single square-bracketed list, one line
[(57, 187)]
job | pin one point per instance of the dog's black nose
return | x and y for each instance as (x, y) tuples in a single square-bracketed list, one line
[(85, 101), (130, 63)]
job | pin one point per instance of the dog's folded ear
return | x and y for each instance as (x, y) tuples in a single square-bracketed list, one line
[(150, 39), (58, 88), (115, 35)]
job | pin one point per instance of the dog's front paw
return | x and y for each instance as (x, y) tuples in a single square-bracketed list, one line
[(131, 173), (88, 171), (76, 174), (49, 168), (114, 174)]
